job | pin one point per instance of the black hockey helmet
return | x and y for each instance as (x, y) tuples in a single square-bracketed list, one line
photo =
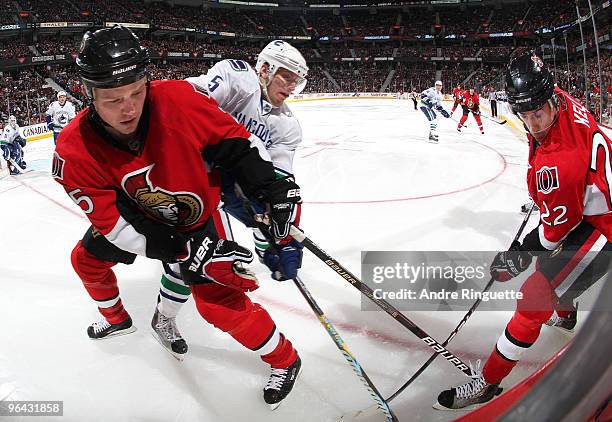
[(111, 57), (529, 84)]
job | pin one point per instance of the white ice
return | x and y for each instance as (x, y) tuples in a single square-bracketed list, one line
[(369, 182)]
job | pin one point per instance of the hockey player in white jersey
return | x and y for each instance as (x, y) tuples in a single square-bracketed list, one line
[(256, 99), (59, 114), (431, 99), (11, 146)]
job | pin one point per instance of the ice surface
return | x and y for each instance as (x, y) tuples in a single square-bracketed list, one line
[(369, 182)]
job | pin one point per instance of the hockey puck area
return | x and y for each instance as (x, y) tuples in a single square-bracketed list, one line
[(357, 162)]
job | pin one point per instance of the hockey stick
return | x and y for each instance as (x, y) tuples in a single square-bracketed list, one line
[(454, 332), (383, 304), (503, 122), (381, 404)]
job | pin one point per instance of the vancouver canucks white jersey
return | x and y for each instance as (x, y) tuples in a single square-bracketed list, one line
[(431, 97), (60, 115), (235, 86), (9, 134)]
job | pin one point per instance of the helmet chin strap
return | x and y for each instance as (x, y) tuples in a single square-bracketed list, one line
[(555, 105), (264, 87)]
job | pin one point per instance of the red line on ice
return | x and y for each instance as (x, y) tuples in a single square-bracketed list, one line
[(434, 195)]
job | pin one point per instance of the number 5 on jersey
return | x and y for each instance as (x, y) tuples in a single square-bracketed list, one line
[(78, 199)]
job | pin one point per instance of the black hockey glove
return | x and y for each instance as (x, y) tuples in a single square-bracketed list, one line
[(509, 264), (443, 112), (163, 242), (218, 260), (282, 197), (21, 141)]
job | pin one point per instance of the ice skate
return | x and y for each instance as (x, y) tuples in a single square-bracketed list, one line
[(467, 396), (104, 329), (564, 323), (167, 334), (281, 383)]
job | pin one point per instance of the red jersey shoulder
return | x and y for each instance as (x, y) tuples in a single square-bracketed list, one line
[(576, 124), (179, 92)]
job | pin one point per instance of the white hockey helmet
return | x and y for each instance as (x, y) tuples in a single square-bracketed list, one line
[(12, 120), (439, 83), (61, 93), (279, 54)]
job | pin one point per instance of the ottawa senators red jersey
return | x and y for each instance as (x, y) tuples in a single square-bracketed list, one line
[(570, 174), (169, 179), (471, 101), (457, 94)]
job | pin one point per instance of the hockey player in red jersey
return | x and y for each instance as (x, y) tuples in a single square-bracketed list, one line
[(470, 103), (569, 178), (458, 97), (140, 161)]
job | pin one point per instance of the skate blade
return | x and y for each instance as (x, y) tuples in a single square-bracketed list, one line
[(274, 406), (117, 333), (438, 406), (177, 356)]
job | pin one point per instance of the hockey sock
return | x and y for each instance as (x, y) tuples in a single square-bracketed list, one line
[(248, 323), (479, 121), (462, 120), (100, 282), (497, 367), (172, 295), (433, 126), (261, 244), (283, 355)]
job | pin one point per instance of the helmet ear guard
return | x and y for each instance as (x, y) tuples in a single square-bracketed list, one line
[(279, 54)]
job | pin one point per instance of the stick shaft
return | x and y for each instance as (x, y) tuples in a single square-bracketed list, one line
[(333, 333)]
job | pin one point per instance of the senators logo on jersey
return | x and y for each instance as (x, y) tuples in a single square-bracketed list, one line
[(547, 179), (176, 208)]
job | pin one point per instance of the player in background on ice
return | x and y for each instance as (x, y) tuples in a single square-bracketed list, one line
[(568, 177), (256, 99), (470, 104), (118, 161), (59, 114), (11, 146), (432, 98), (457, 97), (413, 97)]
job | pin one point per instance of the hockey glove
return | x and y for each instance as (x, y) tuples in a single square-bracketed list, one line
[(218, 260), (282, 197), (21, 141), (163, 242), (443, 112), (511, 263), (285, 262)]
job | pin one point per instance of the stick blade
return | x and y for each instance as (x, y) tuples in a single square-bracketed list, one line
[(370, 414)]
